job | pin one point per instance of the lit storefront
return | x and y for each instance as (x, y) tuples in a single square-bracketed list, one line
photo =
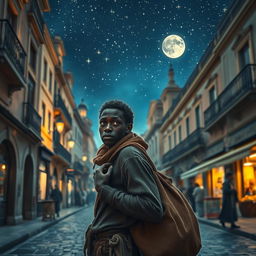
[(211, 173)]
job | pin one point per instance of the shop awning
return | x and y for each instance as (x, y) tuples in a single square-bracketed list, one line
[(227, 158)]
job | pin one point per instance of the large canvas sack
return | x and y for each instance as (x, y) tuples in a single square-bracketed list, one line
[(177, 234)]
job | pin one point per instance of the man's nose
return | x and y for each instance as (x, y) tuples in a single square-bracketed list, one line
[(108, 127)]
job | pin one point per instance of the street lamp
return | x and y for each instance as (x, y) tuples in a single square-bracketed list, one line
[(71, 143), (84, 158), (3, 164), (82, 108), (59, 124)]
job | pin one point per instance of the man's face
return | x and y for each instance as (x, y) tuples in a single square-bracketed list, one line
[(112, 126)]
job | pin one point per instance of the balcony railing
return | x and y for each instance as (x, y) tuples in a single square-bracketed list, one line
[(32, 118), (238, 88), (188, 145), (58, 102), (11, 49), (59, 149), (35, 10)]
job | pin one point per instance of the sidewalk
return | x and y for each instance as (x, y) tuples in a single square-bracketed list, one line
[(13, 235), (247, 226)]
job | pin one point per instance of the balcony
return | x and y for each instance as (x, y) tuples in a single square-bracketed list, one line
[(32, 119), (12, 57), (36, 18), (238, 89), (60, 150), (194, 141), (61, 109)]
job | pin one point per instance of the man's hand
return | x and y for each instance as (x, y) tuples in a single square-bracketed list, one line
[(101, 175)]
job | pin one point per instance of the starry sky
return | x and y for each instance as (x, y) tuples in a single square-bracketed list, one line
[(114, 47)]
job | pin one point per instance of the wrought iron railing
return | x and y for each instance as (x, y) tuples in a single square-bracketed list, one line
[(32, 118), (58, 102), (11, 46), (193, 141), (241, 85), (59, 149)]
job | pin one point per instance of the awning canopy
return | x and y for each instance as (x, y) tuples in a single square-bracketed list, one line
[(227, 158)]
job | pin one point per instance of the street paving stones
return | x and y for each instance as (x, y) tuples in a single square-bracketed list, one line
[(67, 237)]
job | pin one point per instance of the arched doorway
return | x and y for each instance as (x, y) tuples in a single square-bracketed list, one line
[(7, 182), (28, 189)]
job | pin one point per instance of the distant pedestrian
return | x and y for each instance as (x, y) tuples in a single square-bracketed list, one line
[(189, 195), (57, 197), (198, 194), (228, 212)]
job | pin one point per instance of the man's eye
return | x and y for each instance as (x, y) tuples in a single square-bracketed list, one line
[(102, 123), (115, 123)]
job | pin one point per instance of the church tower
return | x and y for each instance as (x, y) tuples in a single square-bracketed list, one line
[(170, 92)]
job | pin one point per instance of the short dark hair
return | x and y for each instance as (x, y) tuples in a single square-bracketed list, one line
[(125, 108)]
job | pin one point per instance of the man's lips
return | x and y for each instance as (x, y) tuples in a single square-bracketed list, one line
[(107, 137)]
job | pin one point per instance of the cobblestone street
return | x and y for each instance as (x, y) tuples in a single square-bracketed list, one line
[(66, 238)]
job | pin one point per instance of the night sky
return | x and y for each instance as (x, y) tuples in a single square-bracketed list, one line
[(114, 47)]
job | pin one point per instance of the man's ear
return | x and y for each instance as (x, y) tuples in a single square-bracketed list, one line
[(129, 127)]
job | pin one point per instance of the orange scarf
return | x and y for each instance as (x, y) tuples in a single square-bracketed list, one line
[(106, 154)]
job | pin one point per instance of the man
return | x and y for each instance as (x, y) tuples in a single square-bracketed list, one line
[(228, 212), (57, 197), (198, 195), (126, 188)]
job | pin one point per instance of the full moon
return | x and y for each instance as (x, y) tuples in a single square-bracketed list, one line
[(173, 46)]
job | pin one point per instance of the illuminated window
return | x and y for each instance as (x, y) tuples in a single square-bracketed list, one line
[(217, 181), (42, 185)]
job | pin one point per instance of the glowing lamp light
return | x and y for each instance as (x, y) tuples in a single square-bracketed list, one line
[(84, 158), (253, 155), (247, 164), (82, 109), (71, 143), (59, 125), (3, 165)]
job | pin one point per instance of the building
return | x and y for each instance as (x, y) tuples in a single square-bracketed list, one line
[(210, 128), (42, 134)]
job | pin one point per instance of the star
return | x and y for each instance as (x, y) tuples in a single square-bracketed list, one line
[(106, 59), (98, 52), (88, 61)]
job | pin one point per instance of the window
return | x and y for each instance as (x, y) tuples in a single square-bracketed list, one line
[(50, 82), (49, 122), (32, 57), (212, 95), (45, 71), (31, 90), (180, 135), (244, 57), (175, 140), (43, 113), (170, 141), (197, 113), (187, 126)]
